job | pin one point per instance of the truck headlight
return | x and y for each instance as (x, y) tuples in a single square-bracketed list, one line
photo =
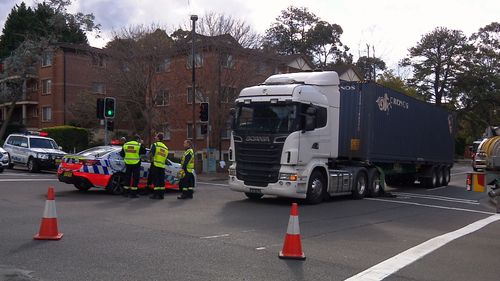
[(42, 156), (288, 177), (232, 172)]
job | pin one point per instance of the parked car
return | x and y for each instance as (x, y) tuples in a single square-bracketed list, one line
[(478, 156), (103, 167), (34, 150), (4, 159)]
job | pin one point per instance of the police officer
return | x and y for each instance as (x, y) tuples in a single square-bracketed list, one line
[(159, 153), (131, 153), (186, 183)]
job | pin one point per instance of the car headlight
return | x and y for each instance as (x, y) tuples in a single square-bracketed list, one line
[(288, 177), (42, 156), (232, 172)]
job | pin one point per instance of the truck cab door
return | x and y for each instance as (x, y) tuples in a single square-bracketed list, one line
[(314, 140)]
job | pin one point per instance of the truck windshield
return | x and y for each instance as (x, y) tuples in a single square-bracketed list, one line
[(266, 117), (42, 143)]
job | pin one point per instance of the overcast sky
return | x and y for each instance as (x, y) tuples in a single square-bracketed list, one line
[(392, 26)]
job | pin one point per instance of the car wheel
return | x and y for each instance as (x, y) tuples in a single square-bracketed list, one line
[(82, 185), (115, 185), (32, 165), (253, 196)]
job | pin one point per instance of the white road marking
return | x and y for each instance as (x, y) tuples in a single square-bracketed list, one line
[(260, 248), (436, 197), (215, 236), (21, 180), (217, 184), (392, 265), (431, 206)]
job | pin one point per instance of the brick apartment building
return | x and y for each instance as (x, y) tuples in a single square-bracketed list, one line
[(71, 78)]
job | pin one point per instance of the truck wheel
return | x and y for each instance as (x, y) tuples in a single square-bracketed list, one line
[(360, 185), (432, 181), (447, 175), (82, 185), (316, 188), (32, 165), (253, 196), (374, 181), (115, 186)]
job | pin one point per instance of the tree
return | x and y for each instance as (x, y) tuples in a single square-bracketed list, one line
[(369, 67), (32, 33), (437, 60), (390, 80), (298, 31), (136, 56)]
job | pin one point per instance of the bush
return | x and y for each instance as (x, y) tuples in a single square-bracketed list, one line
[(72, 139)]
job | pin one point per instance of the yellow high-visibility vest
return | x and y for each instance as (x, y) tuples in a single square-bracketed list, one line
[(161, 153), (132, 149), (190, 165)]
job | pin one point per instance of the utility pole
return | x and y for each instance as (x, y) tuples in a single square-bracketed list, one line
[(194, 18)]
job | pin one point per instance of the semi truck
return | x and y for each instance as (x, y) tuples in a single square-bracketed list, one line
[(308, 135)]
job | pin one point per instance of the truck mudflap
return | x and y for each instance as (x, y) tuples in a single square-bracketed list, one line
[(488, 182), (292, 189)]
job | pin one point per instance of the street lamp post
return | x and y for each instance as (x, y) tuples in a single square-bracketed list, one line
[(194, 18)]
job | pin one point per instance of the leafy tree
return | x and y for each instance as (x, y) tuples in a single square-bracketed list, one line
[(19, 20), (369, 66), (298, 31), (437, 60), (390, 80)]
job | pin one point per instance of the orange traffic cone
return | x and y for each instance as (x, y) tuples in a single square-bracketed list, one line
[(48, 228), (292, 248)]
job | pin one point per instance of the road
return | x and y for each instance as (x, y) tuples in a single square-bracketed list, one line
[(221, 235)]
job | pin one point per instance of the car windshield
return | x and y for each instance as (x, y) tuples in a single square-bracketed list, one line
[(42, 143), (267, 117), (98, 151)]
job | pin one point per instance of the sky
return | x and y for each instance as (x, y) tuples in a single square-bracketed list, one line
[(391, 27)]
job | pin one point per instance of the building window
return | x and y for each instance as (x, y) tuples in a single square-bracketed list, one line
[(98, 88), (261, 68), (162, 98), (199, 95), (198, 61), (46, 114), (98, 60), (47, 59), (35, 112), (199, 136), (46, 86), (227, 94), (164, 65), (228, 61)]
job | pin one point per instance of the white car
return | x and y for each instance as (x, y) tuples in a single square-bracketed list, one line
[(34, 151), (4, 159)]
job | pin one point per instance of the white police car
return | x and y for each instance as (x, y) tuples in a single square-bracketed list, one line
[(34, 150), (4, 159)]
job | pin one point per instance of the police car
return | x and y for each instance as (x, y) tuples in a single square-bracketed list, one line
[(4, 159), (103, 167), (34, 150)]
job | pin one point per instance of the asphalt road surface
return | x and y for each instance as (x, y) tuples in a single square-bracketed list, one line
[(419, 234)]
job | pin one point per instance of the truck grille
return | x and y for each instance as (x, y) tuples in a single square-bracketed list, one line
[(258, 163)]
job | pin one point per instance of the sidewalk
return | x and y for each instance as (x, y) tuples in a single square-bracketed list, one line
[(221, 176)]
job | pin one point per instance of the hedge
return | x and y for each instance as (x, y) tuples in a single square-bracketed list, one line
[(72, 139)]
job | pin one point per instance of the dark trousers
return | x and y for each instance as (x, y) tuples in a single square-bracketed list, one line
[(132, 173), (187, 182), (157, 176)]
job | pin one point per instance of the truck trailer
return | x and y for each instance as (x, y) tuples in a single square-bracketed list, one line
[(308, 135)]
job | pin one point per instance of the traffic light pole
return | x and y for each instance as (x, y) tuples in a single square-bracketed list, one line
[(194, 18), (105, 131)]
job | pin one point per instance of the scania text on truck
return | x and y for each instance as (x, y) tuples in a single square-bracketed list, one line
[(307, 135)]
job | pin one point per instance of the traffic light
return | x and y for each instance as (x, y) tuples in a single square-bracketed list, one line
[(100, 108), (204, 129), (110, 125), (204, 112), (109, 107)]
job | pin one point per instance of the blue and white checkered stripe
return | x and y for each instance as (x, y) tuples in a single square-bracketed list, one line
[(101, 168)]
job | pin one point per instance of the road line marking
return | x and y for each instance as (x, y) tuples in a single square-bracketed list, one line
[(436, 197), (394, 264), (19, 180), (215, 236), (431, 206), (260, 248), (463, 173)]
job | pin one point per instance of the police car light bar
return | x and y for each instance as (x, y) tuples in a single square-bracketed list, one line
[(36, 133)]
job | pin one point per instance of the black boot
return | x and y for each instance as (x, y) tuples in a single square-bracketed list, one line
[(125, 192), (154, 195), (133, 194), (161, 194), (184, 195), (190, 194)]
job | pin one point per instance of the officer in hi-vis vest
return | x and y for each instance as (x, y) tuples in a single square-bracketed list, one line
[(131, 153), (159, 153), (187, 183)]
